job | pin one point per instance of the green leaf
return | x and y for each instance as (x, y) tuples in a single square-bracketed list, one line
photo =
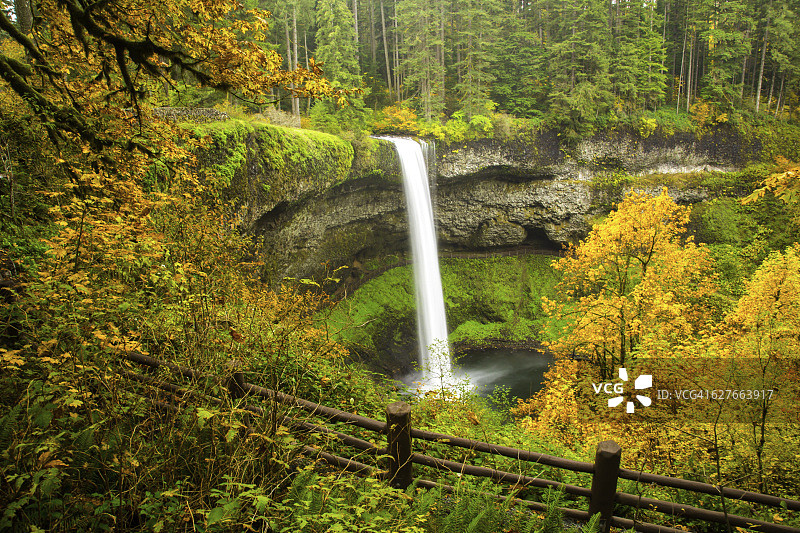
[(202, 416), (216, 514), (261, 503), (43, 418)]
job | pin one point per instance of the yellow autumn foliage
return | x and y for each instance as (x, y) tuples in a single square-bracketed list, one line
[(635, 285)]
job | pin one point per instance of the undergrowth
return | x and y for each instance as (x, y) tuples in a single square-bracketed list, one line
[(149, 263)]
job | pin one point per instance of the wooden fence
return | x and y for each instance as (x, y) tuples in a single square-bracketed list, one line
[(605, 470)]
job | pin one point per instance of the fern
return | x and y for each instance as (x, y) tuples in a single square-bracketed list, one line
[(529, 526), (593, 525), (300, 484), (478, 525), (424, 501), (455, 522), (553, 522), (8, 426), (85, 439)]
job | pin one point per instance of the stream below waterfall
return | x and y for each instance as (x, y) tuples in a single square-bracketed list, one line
[(520, 370)]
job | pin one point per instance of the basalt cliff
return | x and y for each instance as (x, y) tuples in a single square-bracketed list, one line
[(317, 202)]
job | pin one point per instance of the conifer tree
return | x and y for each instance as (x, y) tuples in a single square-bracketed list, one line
[(521, 86), (420, 21), (477, 37), (725, 31), (578, 62), (337, 48), (637, 71)]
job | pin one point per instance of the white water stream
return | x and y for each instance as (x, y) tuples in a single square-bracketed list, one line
[(431, 321)]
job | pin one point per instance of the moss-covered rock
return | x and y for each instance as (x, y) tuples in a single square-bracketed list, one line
[(318, 202), (543, 154), (261, 165), (486, 301)]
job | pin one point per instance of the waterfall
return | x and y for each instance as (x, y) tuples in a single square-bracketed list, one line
[(434, 349)]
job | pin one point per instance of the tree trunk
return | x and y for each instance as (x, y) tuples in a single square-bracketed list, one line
[(305, 48), (442, 66), (386, 53), (288, 47), (355, 19), (22, 8), (780, 95), (459, 74), (689, 75), (289, 62), (763, 60), (373, 42), (754, 71), (664, 33), (783, 100), (680, 77), (771, 89), (397, 73), (295, 100), (744, 70)]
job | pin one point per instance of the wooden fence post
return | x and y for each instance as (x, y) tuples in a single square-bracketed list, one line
[(398, 428), (236, 381), (604, 481), (236, 390)]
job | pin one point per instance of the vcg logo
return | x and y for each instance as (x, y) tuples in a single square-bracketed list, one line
[(645, 381)]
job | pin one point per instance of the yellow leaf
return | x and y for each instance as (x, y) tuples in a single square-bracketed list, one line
[(46, 346), (11, 358)]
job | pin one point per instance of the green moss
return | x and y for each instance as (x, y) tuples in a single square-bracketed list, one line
[(775, 138), (728, 221), (375, 311), (495, 298), (722, 221), (376, 158), (286, 161), (503, 294), (740, 237)]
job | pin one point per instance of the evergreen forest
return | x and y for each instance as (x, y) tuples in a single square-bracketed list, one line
[(580, 64), (131, 232)]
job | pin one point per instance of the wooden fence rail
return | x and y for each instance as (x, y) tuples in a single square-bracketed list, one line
[(605, 470)]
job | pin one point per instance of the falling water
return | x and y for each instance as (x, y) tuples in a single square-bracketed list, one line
[(431, 322)]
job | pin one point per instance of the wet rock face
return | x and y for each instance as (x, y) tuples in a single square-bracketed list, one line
[(498, 232), (487, 194), (370, 221), (487, 213), (339, 227), (544, 157)]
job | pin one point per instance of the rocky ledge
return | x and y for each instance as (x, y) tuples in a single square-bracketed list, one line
[(488, 194)]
